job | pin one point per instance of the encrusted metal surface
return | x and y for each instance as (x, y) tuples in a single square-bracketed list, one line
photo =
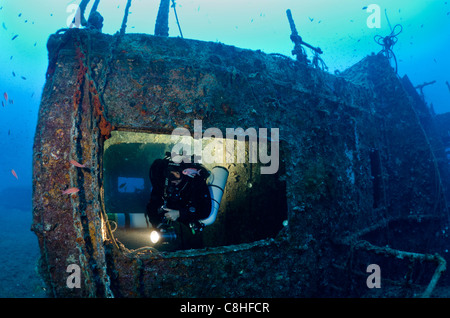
[(329, 127)]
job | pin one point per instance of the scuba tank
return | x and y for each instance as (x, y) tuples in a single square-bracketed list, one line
[(216, 185)]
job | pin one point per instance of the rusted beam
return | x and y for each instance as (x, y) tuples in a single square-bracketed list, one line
[(125, 18), (162, 20)]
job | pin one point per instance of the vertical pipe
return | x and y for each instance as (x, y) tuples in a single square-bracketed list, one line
[(82, 8), (94, 7), (125, 18), (162, 20), (176, 17), (95, 19)]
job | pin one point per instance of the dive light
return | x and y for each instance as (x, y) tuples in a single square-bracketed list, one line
[(163, 234)]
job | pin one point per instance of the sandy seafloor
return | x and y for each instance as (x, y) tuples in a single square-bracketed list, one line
[(19, 255)]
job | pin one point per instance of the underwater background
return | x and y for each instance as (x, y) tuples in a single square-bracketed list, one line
[(339, 28)]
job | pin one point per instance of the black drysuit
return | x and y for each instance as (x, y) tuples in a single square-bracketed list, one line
[(191, 196)]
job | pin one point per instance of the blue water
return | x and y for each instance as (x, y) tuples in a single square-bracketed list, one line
[(339, 28)]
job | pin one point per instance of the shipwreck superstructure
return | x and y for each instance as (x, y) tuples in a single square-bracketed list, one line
[(362, 179)]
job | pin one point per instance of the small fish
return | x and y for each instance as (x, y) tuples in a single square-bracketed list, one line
[(364, 8), (77, 164), (14, 74), (311, 19), (4, 26), (71, 190), (3, 103), (5, 95), (191, 172), (54, 156), (14, 37), (122, 185), (24, 78), (14, 174)]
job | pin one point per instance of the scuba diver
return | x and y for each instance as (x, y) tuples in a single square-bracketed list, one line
[(179, 194)]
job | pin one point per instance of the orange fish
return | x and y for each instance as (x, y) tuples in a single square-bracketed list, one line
[(71, 190), (5, 95), (76, 164), (14, 174)]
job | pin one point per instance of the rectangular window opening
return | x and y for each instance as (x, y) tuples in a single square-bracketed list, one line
[(253, 205)]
